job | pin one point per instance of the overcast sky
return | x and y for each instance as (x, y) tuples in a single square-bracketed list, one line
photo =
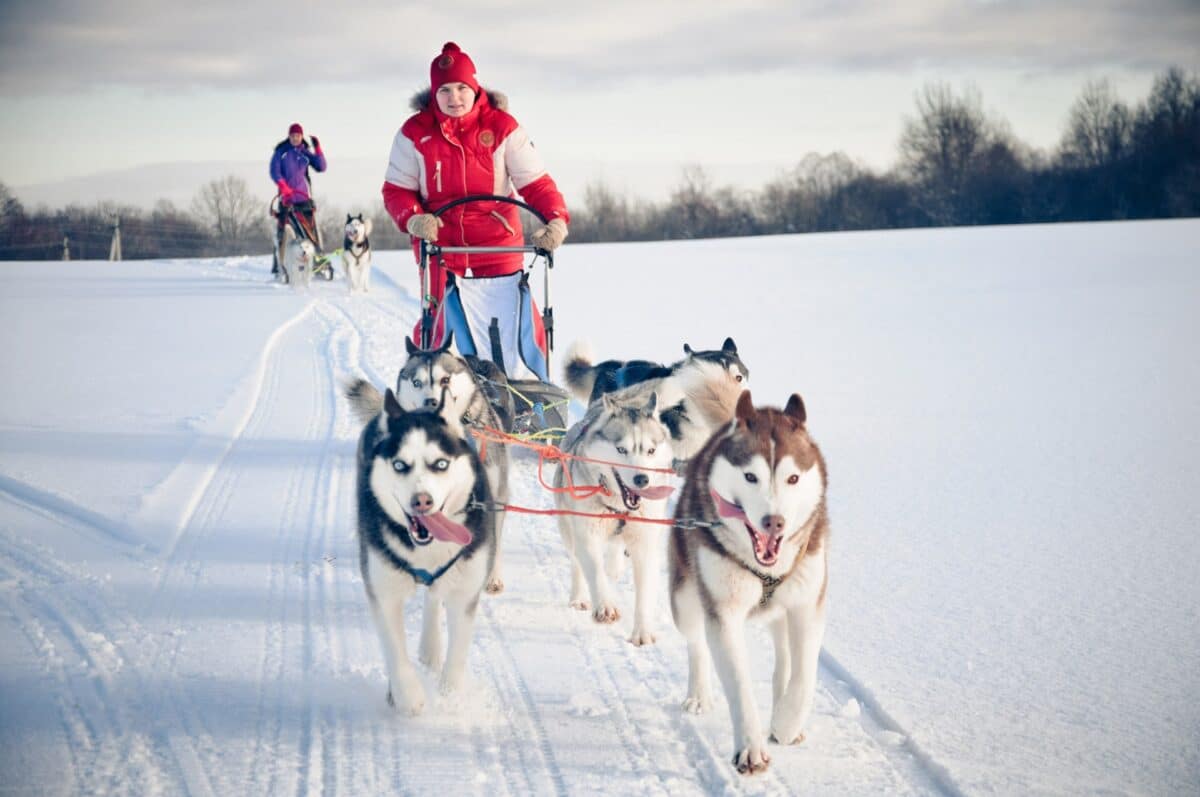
[(607, 89)]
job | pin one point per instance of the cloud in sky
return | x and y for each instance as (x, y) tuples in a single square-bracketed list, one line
[(58, 45)]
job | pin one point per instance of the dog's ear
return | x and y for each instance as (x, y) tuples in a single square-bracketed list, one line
[(448, 342), (608, 402), (409, 346), (795, 409), (729, 347), (651, 404), (348, 218), (745, 407), (688, 350), (392, 405)]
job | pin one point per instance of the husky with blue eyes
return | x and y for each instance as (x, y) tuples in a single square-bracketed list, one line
[(471, 391), (751, 542), (423, 521)]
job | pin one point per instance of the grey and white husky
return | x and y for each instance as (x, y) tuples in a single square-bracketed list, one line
[(610, 448), (757, 493), (422, 521), (474, 396), (695, 395), (356, 253)]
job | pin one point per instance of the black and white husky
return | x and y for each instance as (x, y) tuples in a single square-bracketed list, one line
[(423, 520), (356, 253), (472, 395), (750, 542), (611, 448), (695, 395)]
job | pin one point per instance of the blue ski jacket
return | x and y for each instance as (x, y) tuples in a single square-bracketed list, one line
[(291, 165)]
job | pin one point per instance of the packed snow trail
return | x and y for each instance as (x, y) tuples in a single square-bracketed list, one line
[(236, 653)]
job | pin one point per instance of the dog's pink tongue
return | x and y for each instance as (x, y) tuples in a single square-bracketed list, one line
[(725, 508), (653, 493), (445, 529)]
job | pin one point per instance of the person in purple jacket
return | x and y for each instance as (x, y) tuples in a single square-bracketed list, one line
[(289, 170)]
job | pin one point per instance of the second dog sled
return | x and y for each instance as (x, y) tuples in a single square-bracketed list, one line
[(540, 407), (301, 217)]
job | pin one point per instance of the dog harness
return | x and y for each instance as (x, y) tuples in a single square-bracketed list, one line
[(423, 576)]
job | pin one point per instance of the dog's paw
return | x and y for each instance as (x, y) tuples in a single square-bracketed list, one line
[(449, 684), (494, 585), (409, 699), (582, 604), (785, 723), (752, 759), (697, 704), (606, 614), (798, 740), (431, 658), (642, 636)]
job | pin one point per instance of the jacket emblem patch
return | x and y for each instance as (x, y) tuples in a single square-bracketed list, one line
[(487, 138)]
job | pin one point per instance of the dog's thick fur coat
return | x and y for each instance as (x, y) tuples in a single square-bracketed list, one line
[(695, 395), (418, 477), (474, 397), (759, 485), (631, 437)]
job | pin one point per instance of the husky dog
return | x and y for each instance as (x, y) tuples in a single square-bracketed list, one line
[(695, 395), (356, 253), (757, 493), (299, 260), (422, 520), (424, 378), (610, 448)]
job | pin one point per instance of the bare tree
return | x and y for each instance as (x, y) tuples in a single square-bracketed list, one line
[(235, 215), (940, 146), (1099, 128)]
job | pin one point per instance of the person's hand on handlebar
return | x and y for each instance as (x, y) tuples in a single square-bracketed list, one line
[(551, 236), (424, 225)]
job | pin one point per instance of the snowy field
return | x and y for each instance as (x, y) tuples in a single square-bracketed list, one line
[(1011, 418)]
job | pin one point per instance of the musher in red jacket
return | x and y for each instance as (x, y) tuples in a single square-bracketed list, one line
[(462, 141)]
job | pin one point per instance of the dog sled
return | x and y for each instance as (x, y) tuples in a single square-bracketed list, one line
[(519, 344), (301, 218)]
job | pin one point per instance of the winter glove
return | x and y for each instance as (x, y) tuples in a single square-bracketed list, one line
[(551, 236), (316, 142), (424, 225), (285, 191)]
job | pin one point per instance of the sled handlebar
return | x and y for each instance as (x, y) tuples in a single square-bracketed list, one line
[(428, 249), (489, 198)]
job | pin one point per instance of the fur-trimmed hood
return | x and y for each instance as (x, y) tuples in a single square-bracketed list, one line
[(497, 99)]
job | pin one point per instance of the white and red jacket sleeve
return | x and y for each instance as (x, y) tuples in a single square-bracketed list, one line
[(403, 180), (525, 169)]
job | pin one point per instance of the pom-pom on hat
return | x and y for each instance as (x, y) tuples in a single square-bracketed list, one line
[(452, 66), (295, 128)]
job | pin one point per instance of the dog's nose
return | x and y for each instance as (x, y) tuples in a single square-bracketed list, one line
[(422, 502), (772, 524), (431, 402), (641, 480)]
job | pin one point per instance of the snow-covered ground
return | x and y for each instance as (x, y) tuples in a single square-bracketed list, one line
[(1011, 421)]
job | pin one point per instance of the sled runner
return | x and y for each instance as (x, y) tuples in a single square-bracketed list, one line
[(517, 338), (301, 218)]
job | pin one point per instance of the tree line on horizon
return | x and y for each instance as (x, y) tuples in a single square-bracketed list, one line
[(957, 166)]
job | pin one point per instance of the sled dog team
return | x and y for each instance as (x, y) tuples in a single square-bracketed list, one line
[(300, 256), (748, 539)]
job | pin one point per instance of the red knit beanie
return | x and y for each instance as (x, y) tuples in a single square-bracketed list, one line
[(452, 66), (295, 128)]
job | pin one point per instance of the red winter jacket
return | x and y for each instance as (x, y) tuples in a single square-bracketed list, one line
[(436, 159)]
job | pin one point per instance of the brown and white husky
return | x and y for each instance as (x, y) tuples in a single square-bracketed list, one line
[(755, 548)]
